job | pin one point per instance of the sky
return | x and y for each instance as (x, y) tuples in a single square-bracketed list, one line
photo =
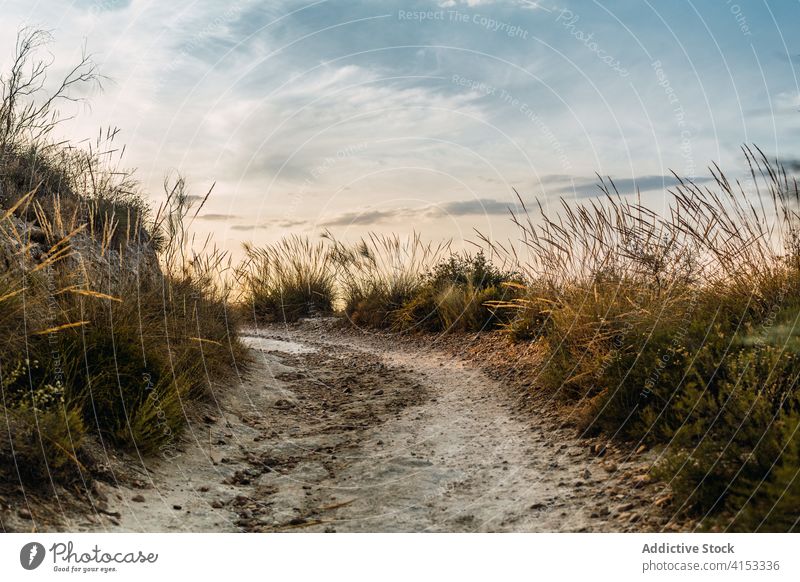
[(393, 116)]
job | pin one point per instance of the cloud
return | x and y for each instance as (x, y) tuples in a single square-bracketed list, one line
[(282, 223), (102, 5), (529, 4), (782, 103), (586, 187), (580, 187), (555, 178), (217, 217), (367, 217), (287, 223), (259, 96), (472, 207), (791, 164), (480, 206), (247, 226)]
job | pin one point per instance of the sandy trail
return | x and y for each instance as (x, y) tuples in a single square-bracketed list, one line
[(331, 431)]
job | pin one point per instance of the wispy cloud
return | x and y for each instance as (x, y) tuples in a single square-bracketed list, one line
[(369, 217), (791, 164), (458, 208), (578, 187), (587, 187), (217, 217), (285, 224)]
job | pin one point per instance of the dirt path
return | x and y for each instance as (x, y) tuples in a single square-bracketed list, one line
[(329, 431)]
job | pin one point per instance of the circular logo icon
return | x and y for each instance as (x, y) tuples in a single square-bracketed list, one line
[(31, 555)]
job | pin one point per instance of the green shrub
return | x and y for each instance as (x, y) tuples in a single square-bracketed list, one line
[(771, 503), (461, 293), (155, 424), (41, 445)]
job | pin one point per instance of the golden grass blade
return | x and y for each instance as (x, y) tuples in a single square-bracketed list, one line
[(206, 340), (8, 296), (61, 327), (90, 293)]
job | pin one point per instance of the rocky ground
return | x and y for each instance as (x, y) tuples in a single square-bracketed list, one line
[(330, 429)]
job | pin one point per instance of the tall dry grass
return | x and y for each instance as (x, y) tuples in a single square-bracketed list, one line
[(380, 274), (111, 325), (286, 281), (677, 330), (383, 282)]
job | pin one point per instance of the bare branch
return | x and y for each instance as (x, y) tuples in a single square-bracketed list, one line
[(28, 110)]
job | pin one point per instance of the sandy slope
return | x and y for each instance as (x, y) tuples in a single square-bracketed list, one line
[(332, 431)]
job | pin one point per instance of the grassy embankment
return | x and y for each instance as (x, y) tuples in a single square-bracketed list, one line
[(675, 330), (110, 326)]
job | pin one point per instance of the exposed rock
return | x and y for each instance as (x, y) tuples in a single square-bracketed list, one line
[(661, 501)]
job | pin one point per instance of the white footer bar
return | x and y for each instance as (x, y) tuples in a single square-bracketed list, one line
[(352, 557)]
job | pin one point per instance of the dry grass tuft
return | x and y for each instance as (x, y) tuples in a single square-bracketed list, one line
[(101, 301), (678, 330)]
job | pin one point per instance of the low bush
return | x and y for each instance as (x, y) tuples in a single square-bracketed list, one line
[(42, 446), (461, 293)]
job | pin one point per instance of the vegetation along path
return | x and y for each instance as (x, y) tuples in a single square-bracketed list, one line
[(334, 431)]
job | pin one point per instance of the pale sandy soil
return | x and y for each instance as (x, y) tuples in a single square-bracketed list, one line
[(329, 430)]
